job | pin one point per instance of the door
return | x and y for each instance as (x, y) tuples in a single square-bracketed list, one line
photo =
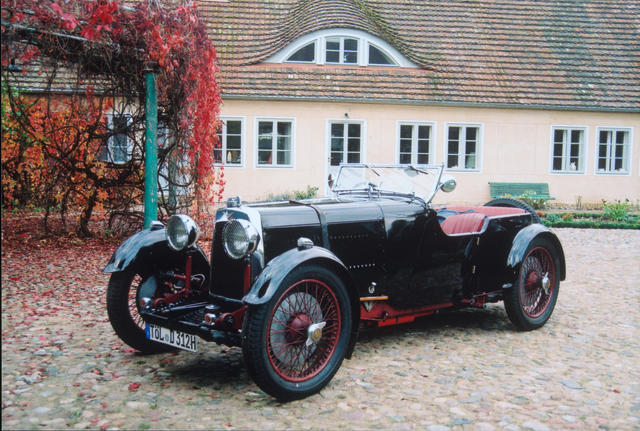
[(345, 146)]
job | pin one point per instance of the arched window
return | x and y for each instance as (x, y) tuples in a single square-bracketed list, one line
[(341, 47), (306, 54), (377, 56)]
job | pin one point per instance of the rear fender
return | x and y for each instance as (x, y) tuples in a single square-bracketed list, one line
[(147, 249), (271, 278), (524, 238)]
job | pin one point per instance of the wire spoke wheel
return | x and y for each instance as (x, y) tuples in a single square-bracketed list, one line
[(304, 304), (530, 302), (537, 277), (122, 308), (295, 342), (133, 302)]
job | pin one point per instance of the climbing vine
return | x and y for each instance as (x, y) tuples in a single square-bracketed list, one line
[(73, 106)]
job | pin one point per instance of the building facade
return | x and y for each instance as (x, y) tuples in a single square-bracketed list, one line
[(504, 91)]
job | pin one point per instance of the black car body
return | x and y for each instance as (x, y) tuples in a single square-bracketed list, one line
[(292, 282)]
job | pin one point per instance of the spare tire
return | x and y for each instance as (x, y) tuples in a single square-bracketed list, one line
[(514, 203)]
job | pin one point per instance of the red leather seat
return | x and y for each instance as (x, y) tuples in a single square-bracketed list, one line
[(488, 211), (464, 223)]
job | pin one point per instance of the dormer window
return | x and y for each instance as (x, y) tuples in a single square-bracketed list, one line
[(341, 47), (306, 54), (341, 50), (378, 57)]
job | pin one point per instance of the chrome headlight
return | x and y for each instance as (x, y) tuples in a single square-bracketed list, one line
[(182, 232), (240, 238)]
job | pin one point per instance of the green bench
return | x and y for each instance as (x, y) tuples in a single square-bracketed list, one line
[(519, 190)]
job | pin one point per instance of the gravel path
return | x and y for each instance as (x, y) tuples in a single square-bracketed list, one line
[(63, 367)]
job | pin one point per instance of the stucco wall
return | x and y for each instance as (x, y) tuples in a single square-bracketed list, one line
[(516, 147)]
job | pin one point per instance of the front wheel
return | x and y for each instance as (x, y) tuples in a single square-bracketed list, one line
[(124, 316), (530, 302), (295, 343)]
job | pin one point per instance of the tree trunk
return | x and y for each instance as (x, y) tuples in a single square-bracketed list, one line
[(86, 214)]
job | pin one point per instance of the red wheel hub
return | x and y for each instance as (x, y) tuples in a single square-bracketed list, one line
[(296, 331), (533, 279)]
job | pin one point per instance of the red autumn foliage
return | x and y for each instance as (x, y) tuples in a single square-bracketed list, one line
[(134, 386), (55, 145)]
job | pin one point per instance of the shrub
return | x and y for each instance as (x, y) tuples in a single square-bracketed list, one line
[(309, 193), (536, 203), (553, 217), (588, 220), (617, 210), (297, 195)]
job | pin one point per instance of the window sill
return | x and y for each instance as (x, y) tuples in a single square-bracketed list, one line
[(274, 166), (615, 174), (476, 171), (567, 172), (228, 165)]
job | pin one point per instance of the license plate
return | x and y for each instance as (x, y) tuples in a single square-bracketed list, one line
[(172, 337)]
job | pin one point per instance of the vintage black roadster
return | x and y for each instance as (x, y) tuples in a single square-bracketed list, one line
[(293, 282)]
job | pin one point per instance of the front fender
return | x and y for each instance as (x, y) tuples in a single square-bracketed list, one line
[(524, 238), (149, 248), (128, 251), (277, 269), (265, 286)]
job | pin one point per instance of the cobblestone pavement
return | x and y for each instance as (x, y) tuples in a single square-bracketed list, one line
[(464, 370)]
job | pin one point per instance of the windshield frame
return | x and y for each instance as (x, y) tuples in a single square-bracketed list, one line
[(371, 191)]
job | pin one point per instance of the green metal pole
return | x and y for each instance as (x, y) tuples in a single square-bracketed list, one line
[(150, 150)]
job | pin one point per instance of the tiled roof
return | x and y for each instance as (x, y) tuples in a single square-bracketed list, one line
[(564, 54)]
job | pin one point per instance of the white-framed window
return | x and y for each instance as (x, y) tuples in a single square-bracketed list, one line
[(305, 54), (341, 50), (346, 142), (341, 46), (230, 151), (568, 147), (463, 146), (117, 148), (415, 143), (275, 142), (613, 150), (378, 57)]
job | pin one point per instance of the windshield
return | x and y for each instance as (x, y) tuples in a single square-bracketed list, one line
[(369, 180)]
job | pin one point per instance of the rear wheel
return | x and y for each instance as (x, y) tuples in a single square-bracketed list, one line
[(295, 343), (515, 203), (122, 308), (530, 302)]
